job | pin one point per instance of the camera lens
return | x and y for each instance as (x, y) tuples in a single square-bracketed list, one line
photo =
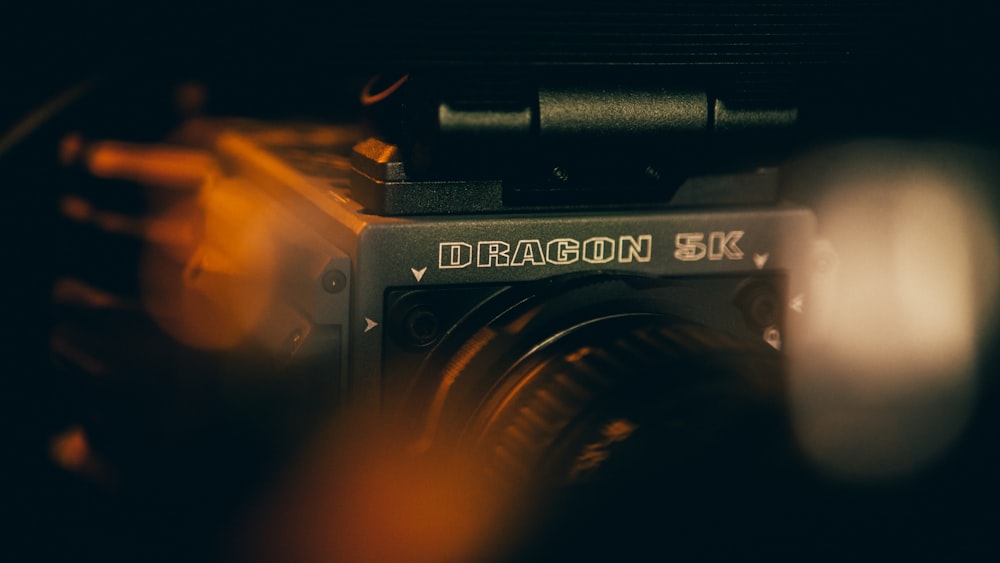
[(585, 391), (564, 412), (649, 433)]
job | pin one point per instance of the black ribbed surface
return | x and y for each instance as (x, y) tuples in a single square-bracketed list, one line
[(639, 33), (654, 362)]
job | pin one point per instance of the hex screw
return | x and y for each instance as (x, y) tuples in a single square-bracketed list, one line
[(421, 326), (760, 306), (764, 309), (334, 281)]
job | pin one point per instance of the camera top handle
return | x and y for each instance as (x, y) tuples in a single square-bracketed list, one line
[(475, 144)]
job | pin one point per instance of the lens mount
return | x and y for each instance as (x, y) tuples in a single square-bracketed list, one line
[(548, 384)]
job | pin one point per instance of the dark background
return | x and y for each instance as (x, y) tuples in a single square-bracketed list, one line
[(926, 69)]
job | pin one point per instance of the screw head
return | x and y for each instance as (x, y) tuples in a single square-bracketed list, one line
[(421, 326), (334, 281), (760, 305)]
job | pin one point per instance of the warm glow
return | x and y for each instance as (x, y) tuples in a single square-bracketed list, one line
[(71, 450), (213, 294), (209, 267), (363, 498), (158, 165)]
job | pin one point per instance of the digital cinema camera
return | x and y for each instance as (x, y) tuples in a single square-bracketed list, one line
[(570, 315), (545, 298), (583, 276)]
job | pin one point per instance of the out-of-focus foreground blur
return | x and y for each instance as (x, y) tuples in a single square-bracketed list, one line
[(106, 168)]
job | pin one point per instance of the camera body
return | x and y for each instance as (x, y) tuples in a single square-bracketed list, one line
[(388, 308)]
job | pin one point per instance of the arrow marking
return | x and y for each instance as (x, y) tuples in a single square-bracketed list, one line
[(760, 259), (797, 303), (419, 274), (371, 324)]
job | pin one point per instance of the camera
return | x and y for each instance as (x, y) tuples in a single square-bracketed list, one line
[(546, 329), (549, 323), (439, 295), (571, 309), (568, 301)]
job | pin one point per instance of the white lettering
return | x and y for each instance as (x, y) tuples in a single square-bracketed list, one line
[(493, 253), (562, 251), (528, 252), (453, 255), (723, 245), (638, 248), (598, 250), (689, 247)]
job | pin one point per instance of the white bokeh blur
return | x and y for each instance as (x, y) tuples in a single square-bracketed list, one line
[(887, 380)]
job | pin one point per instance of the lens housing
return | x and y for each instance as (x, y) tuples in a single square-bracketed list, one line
[(522, 372)]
